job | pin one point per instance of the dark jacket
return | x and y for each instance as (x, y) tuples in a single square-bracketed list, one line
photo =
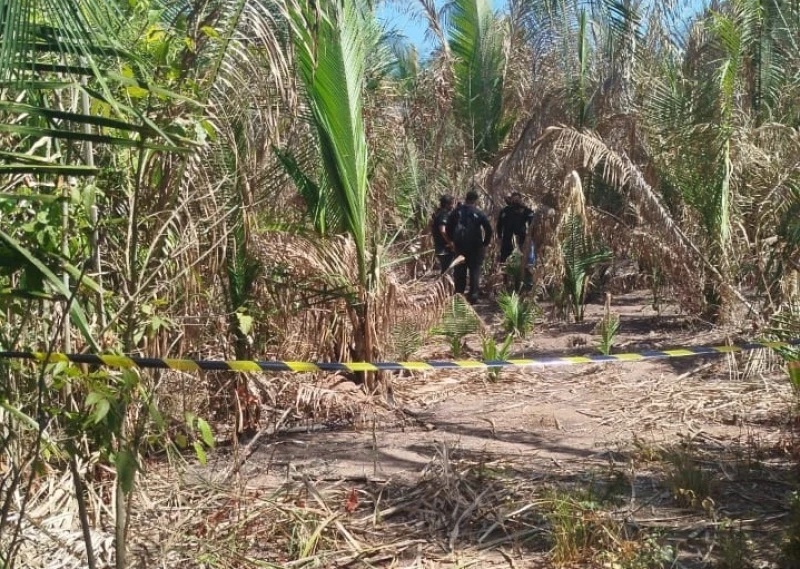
[(439, 218), (479, 219), (514, 221)]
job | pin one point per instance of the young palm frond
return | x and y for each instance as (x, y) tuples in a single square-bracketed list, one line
[(51, 50), (580, 261), (458, 321), (518, 313), (491, 351), (331, 53), (476, 41)]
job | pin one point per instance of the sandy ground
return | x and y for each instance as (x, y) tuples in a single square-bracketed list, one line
[(464, 471), (556, 427)]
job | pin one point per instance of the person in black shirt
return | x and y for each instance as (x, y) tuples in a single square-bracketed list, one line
[(512, 225), (470, 231), (441, 242)]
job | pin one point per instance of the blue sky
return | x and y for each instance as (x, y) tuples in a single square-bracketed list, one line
[(401, 20)]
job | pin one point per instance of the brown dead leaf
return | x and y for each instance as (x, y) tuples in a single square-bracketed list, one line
[(351, 503)]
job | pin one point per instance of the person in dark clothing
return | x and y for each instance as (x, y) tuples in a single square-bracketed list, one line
[(441, 242), (470, 231), (512, 225)]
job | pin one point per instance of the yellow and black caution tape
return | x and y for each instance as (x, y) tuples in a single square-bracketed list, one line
[(118, 361)]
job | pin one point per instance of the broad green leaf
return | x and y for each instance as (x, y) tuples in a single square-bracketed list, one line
[(100, 410), (210, 32), (205, 432), (201, 453), (137, 92), (78, 315), (93, 398), (245, 322)]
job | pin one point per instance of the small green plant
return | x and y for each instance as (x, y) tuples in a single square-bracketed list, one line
[(580, 261), (734, 548), (458, 321), (518, 313), (406, 338), (491, 351), (608, 328), (583, 531), (515, 277), (578, 529), (690, 484)]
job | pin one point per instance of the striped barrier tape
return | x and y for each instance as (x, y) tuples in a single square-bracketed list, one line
[(116, 361)]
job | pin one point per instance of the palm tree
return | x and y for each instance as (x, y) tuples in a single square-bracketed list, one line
[(475, 39), (332, 41), (707, 103), (68, 83)]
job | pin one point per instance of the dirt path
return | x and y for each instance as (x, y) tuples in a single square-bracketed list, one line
[(683, 450)]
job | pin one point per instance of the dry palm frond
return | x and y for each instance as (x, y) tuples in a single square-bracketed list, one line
[(323, 274), (49, 530), (618, 170), (328, 404)]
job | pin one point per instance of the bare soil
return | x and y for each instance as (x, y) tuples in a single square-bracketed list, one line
[(470, 472)]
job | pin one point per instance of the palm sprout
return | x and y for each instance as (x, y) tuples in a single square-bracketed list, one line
[(518, 313), (476, 41)]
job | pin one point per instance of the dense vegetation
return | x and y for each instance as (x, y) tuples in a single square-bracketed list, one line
[(253, 178)]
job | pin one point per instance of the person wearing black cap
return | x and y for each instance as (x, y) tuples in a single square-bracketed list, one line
[(441, 242), (512, 225), (470, 231)]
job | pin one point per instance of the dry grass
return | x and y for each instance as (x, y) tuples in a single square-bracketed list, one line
[(49, 533), (457, 506)]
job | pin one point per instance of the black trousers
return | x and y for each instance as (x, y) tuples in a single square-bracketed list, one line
[(444, 260), (473, 263)]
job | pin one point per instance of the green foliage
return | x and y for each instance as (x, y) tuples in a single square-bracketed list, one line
[(519, 313), (491, 351), (330, 42), (608, 328), (582, 531), (30, 263), (735, 549), (476, 41), (580, 259), (406, 339), (458, 321), (691, 484)]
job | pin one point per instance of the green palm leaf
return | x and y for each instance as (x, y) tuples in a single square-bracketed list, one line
[(29, 260), (331, 56), (476, 42)]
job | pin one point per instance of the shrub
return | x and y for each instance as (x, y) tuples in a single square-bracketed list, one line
[(518, 313)]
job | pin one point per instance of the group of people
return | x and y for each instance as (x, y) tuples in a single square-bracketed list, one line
[(465, 230)]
